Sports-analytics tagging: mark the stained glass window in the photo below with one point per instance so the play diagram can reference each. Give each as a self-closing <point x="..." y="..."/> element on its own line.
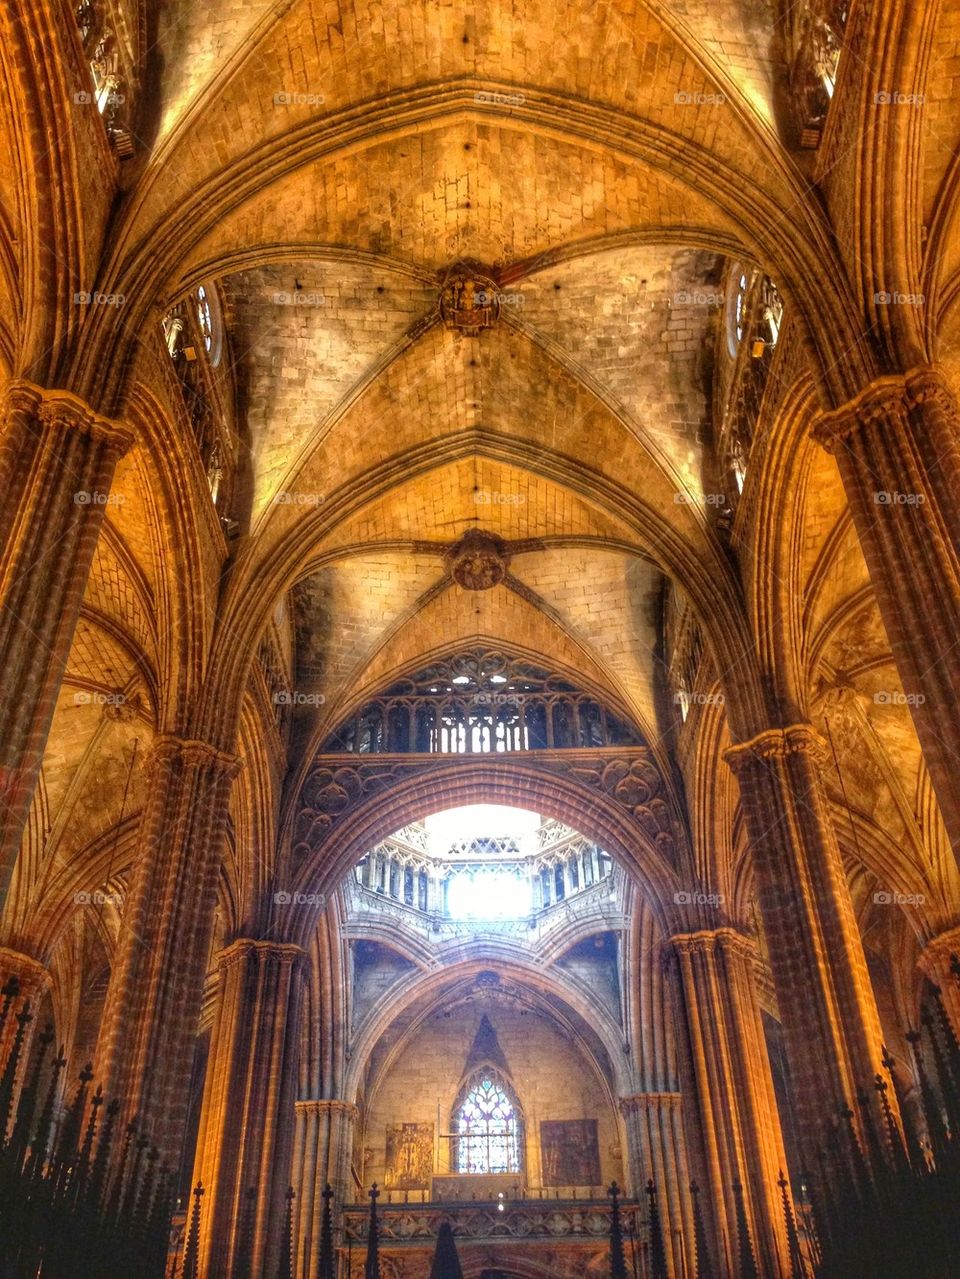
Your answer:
<point x="487" y="1128"/>
<point x="205" y="317"/>
<point x="741" y="305"/>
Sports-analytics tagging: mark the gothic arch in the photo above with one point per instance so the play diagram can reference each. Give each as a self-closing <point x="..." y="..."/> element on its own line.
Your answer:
<point x="465" y="780"/>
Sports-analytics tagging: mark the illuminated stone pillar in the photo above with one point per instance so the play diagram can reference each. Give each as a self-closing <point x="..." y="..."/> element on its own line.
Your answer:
<point x="323" y="1150"/>
<point x="247" y="1119"/>
<point x="937" y="963"/>
<point x="146" y="1044"/>
<point x="653" y="1122"/>
<point x="831" y="1027"/>
<point x="57" y="461"/>
<point x="729" y="1094"/>
<point x="898" y="449"/>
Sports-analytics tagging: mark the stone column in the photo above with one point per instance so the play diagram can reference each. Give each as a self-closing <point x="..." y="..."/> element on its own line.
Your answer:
<point x="323" y="1148"/>
<point x="145" y="1051"/>
<point x="898" y="449"/>
<point x="653" y="1122"/>
<point x="247" y="1118"/>
<point x="936" y="962"/>
<point x="57" y="460"/>
<point x="827" y="1007"/>
<point x="729" y="1094"/>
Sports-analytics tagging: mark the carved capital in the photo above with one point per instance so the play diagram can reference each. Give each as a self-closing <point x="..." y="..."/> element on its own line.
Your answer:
<point x="246" y="948"/>
<point x="656" y="1101"/>
<point x="64" y="411"/>
<point x="33" y="976"/>
<point x="169" y="750"/>
<point x="930" y="385"/>
<point x="882" y="400"/>
<point x="327" y="1108"/>
<point x="21" y="398"/>
<point x="934" y="957"/>
<point x="709" y="941"/>
<point x="777" y="743"/>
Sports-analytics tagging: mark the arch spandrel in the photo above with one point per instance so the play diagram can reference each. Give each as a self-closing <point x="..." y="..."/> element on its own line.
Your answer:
<point x="616" y="796"/>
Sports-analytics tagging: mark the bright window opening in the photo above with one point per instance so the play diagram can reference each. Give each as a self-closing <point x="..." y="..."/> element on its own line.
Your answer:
<point x="487" y="1128"/>
<point x="477" y="892"/>
<point x="452" y="830"/>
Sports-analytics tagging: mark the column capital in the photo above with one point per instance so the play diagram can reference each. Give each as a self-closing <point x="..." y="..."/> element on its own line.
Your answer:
<point x="169" y="748"/>
<point x="64" y="410"/>
<point x="936" y="950"/>
<point x="331" y="1106"/>
<point x="709" y="940"/>
<point x="887" y="395"/>
<point x="33" y="975"/>
<point x="237" y="952"/>
<point x="875" y="402"/>
<point x="650" y="1101"/>
<point x="930" y="382"/>
<point x="777" y="743"/>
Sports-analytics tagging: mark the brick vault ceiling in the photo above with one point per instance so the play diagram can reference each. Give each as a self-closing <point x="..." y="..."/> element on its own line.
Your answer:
<point x="330" y="271"/>
<point x="602" y="50"/>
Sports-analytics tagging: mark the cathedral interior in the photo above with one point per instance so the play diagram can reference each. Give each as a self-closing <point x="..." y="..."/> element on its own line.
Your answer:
<point x="480" y="639"/>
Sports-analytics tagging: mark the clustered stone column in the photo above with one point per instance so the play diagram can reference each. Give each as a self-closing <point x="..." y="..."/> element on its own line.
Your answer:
<point x="323" y="1148"/>
<point x="728" y="1090"/>
<point x="153" y="1001"/>
<point x="898" y="449"/>
<point x="57" y="461"/>
<point x="247" y="1125"/>
<point x="653" y="1122"/>
<point x="827" y="1007"/>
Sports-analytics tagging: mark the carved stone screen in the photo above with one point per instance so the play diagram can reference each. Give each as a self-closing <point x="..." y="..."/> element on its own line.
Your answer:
<point x="570" y="1152"/>
<point x="409" y="1163"/>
